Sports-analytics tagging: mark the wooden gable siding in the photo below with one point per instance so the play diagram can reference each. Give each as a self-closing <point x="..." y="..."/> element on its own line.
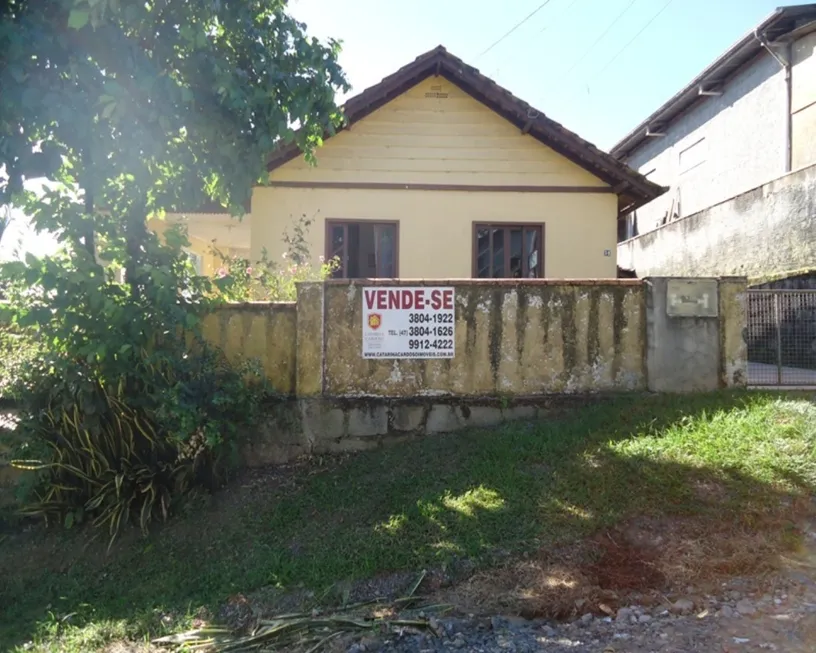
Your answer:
<point x="435" y="133"/>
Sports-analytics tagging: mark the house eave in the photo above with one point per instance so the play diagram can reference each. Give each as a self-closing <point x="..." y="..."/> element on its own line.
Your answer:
<point x="439" y="62"/>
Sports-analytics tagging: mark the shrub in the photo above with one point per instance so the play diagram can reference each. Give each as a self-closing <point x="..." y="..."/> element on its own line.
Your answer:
<point x="118" y="455"/>
<point x="125" y="409"/>
<point x="240" y="280"/>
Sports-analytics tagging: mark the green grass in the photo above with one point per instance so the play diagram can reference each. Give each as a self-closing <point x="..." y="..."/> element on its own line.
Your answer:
<point x="409" y="506"/>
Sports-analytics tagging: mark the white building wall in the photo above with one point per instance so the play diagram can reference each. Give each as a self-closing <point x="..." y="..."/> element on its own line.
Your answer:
<point x="803" y="101"/>
<point x="722" y="147"/>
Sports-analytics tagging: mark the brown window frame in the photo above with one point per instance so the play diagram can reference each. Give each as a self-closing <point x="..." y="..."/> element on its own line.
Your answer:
<point x="334" y="222"/>
<point x="507" y="226"/>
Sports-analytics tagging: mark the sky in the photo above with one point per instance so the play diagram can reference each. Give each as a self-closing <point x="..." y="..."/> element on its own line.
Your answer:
<point x="556" y="61"/>
<point x="597" y="66"/>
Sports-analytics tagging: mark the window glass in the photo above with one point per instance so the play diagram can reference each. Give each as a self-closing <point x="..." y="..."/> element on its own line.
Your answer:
<point x="498" y="253"/>
<point x="507" y="251"/>
<point x="364" y="249"/>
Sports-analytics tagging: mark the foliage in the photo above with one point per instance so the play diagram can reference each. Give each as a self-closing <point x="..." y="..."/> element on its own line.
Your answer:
<point x="5" y="221"/>
<point x="184" y="100"/>
<point x="128" y="109"/>
<point x="113" y="459"/>
<point x="17" y="352"/>
<point x="131" y="407"/>
<point x="240" y="280"/>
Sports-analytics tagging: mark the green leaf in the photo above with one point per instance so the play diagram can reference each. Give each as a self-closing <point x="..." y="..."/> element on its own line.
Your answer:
<point x="78" y="18"/>
<point x="108" y="110"/>
<point x="69" y="520"/>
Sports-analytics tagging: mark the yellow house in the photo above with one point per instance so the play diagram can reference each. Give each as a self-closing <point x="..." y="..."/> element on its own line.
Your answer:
<point x="441" y="173"/>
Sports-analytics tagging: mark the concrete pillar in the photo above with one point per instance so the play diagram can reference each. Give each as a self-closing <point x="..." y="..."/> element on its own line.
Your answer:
<point x="733" y="325"/>
<point x="682" y="334"/>
<point x="309" y="364"/>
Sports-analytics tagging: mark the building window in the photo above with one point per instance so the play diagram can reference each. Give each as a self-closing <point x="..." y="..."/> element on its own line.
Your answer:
<point x="692" y="156"/>
<point x="197" y="261"/>
<point x="508" y="251"/>
<point x="365" y="249"/>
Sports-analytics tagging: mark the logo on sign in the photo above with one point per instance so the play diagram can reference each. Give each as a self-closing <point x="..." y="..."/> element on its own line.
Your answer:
<point x="374" y="321"/>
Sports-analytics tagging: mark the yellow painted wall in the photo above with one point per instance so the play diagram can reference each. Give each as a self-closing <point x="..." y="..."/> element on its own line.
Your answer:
<point x="513" y="339"/>
<point x="435" y="228"/>
<point x="210" y="263"/>
<point x="419" y="139"/>
<point x="263" y="332"/>
<point x="431" y="140"/>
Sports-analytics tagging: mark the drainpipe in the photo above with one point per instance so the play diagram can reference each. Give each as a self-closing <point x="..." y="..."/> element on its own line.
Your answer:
<point x="785" y="62"/>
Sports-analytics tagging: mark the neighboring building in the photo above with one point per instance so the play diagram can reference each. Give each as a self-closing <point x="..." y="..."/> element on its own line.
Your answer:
<point x="441" y="173"/>
<point x="736" y="147"/>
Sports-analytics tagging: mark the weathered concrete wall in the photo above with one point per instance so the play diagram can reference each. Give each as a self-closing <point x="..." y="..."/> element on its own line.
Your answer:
<point x="767" y="230"/>
<point x="733" y="319"/>
<point x="511" y="338"/>
<point x="319" y="425"/>
<point x="696" y="353"/>
<point x="523" y="349"/>
<point x="264" y="331"/>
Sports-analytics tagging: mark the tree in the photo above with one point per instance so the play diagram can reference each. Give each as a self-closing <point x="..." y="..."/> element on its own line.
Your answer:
<point x="132" y="108"/>
<point x="157" y="105"/>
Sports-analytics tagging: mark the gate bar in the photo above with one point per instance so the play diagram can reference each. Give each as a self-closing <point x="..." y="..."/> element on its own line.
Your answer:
<point x="778" y="340"/>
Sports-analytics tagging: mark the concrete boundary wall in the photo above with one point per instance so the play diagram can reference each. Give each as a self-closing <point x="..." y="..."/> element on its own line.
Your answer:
<point x="759" y="233"/>
<point x="512" y="338"/>
<point x="524" y="348"/>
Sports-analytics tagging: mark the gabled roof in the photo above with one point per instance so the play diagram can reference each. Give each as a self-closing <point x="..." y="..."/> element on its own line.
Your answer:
<point x="779" y="24"/>
<point x="632" y="188"/>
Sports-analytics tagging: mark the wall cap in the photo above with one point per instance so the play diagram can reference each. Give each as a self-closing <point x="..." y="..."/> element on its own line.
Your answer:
<point x="489" y="283"/>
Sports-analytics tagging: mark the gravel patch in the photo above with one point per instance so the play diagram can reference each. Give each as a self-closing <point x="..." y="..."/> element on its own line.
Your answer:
<point x="780" y="616"/>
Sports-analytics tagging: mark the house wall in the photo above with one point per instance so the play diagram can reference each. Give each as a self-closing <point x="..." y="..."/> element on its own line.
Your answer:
<point x="803" y="101"/>
<point x="768" y="230"/>
<point x="437" y="134"/>
<point x="436" y="228"/>
<point x="729" y="143"/>
<point x="209" y="261"/>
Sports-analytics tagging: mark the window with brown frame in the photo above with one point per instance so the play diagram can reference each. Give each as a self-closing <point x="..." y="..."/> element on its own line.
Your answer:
<point x="366" y="249"/>
<point x="508" y="251"/>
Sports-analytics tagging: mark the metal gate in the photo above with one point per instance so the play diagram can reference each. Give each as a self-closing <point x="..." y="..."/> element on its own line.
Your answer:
<point x="781" y="338"/>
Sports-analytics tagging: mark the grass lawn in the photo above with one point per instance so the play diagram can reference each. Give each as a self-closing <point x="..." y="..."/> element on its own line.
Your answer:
<point x="517" y="488"/>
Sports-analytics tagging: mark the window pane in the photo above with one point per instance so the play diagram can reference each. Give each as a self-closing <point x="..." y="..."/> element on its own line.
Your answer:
<point x="498" y="254"/>
<point x="364" y="249"/>
<point x="338" y="249"/>
<point x="483" y="253"/>
<point x="385" y="244"/>
<point x="516" y="253"/>
<point x="532" y="250"/>
<point x="353" y="251"/>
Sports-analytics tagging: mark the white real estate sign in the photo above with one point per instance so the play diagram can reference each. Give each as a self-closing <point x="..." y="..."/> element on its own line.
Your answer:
<point x="408" y="322"/>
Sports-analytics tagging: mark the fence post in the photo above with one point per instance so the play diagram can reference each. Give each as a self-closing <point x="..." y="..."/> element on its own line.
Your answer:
<point x="778" y="320"/>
